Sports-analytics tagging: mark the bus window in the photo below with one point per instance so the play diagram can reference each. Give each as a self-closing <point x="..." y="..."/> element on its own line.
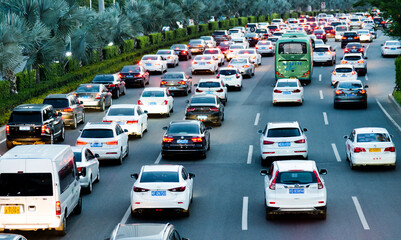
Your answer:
<point x="292" y="48"/>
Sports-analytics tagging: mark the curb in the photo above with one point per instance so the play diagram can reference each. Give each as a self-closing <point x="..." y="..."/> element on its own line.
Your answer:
<point x="395" y="103"/>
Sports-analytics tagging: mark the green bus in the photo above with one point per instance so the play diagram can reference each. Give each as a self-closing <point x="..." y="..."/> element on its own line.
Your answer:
<point x="293" y="58"/>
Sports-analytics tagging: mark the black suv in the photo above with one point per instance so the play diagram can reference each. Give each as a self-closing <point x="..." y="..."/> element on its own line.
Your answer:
<point x="349" y="36"/>
<point x="379" y="21"/>
<point x="113" y="84"/>
<point x="34" y="124"/>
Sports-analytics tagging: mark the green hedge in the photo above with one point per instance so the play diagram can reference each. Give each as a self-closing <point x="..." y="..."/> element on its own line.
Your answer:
<point x="242" y="21"/>
<point x="94" y="58"/>
<point x="142" y="42"/>
<point x="128" y="46"/>
<point x="203" y="28"/>
<point x="25" y="79"/>
<point x="398" y="72"/>
<point x="213" y="25"/>
<point x="168" y="35"/>
<point x="261" y="18"/>
<point x="191" y="30"/>
<point x="110" y="52"/>
<point x="252" y="19"/>
<point x="5" y="89"/>
<point x="294" y="15"/>
<point x="276" y="15"/>
<point x="286" y="16"/>
<point x="180" y="33"/>
<point x="155" y="38"/>
<point x="224" y="24"/>
<point x="73" y="64"/>
<point x="233" y="22"/>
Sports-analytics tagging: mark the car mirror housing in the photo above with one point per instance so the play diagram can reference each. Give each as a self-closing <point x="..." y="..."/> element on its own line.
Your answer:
<point x="97" y="155"/>
<point x="323" y="171"/>
<point x="263" y="172"/>
<point x="135" y="175"/>
<point x="260" y="131"/>
<point x="164" y="128"/>
<point x="345" y="137"/>
<point x="305" y="129"/>
<point x="191" y="175"/>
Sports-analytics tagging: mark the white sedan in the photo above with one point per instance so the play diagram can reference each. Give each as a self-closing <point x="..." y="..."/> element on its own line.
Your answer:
<point x="233" y="50"/>
<point x="156" y="100"/>
<point x="204" y="63"/>
<point x="169" y="56"/>
<point x="216" y="53"/>
<point x="391" y="48"/>
<point x="288" y="90"/>
<point x="210" y="42"/>
<point x="108" y="140"/>
<point x="154" y="63"/>
<point x="213" y="86"/>
<point x="231" y="77"/>
<point x="365" y="36"/>
<point x="162" y="188"/>
<point x="343" y="72"/>
<point x="370" y="146"/>
<point x="253" y="56"/>
<point x="324" y="54"/>
<point x="87" y="166"/>
<point x="241" y="40"/>
<point x="131" y="117"/>
<point x="265" y="47"/>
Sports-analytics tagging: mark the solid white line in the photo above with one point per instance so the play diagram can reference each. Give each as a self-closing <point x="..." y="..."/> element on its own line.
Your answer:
<point x="333" y="145"/>
<point x="2" y="141"/>
<point x="388" y="116"/>
<point x="126" y="215"/>
<point x="320" y="77"/>
<point x="158" y="158"/>
<point x="245" y="213"/>
<point x="326" y="121"/>
<point x="360" y="213"/>
<point x="366" y="77"/>
<point x="250" y="151"/>
<point x="321" y="94"/>
<point x="257" y="119"/>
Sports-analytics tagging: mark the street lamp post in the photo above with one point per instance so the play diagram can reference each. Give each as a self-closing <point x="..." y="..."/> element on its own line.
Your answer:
<point x="101" y="5"/>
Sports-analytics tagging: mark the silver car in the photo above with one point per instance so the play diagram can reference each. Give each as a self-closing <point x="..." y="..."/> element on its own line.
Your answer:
<point x="358" y="61"/>
<point x="265" y="48"/>
<point x="245" y="67"/>
<point x="139" y="231"/>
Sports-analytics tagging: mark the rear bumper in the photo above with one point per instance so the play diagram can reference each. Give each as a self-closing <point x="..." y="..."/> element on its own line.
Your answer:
<point x="314" y="210"/>
<point x="56" y="223"/>
<point x="213" y="118"/>
<point x="361" y="160"/>
<point x="29" y="140"/>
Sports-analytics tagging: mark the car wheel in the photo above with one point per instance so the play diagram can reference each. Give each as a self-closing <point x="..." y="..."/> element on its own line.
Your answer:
<point x="351" y="165"/>
<point x="222" y="118"/>
<point x="142" y="84"/>
<point x="186" y="213"/>
<point x="134" y="214"/>
<point x="62" y="135"/>
<point x="62" y="230"/>
<point x="111" y="102"/>
<point x="253" y="72"/>
<point x="335" y="105"/>
<point x="208" y="145"/>
<point x="9" y="144"/>
<point x="103" y="106"/>
<point x="117" y="94"/>
<point x="323" y="215"/>
<point x="172" y="109"/>
<point x="51" y="141"/>
<point x="346" y="156"/>
<point x="98" y="176"/>
<point x="120" y="159"/>
<point x="127" y="151"/>
<point x="75" y="123"/>
<point x="83" y="117"/>
<point x="78" y="208"/>
<point x="90" y="186"/>
<point x="203" y="155"/>
<point x="264" y="161"/>
<point x="140" y="135"/>
<point x="269" y="215"/>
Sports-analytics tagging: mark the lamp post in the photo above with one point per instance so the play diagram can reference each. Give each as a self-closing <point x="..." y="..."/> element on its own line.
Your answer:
<point x="101" y="5"/>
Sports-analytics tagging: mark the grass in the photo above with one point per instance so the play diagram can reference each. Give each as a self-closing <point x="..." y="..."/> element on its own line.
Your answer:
<point x="397" y="96"/>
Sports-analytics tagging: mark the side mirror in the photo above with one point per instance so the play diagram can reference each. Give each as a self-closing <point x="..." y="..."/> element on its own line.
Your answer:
<point x="226" y="85"/>
<point x="191" y="175"/>
<point x="208" y="128"/>
<point x="366" y="57"/>
<point x="171" y="94"/>
<point x="125" y="130"/>
<point x="59" y="114"/>
<point x="381" y="44"/>
<point x="135" y="175"/>
<point x="345" y="137"/>
<point x="323" y="172"/>
<point x="80" y="102"/>
<point x="260" y="131"/>
<point x="190" y="77"/>
<point x="263" y="172"/>
<point x="97" y="155"/>
<point x="195" y="85"/>
<point x="164" y="128"/>
<point x="305" y="129"/>
<point x="187" y="101"/>
<point x="145" y="111"/>
<point x="366" y="86"/>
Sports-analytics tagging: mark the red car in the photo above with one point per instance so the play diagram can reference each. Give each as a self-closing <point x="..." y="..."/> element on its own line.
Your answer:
<point x="224" y="46"/>
<point x="330" y="32"/>
<point x="320" y="34"/>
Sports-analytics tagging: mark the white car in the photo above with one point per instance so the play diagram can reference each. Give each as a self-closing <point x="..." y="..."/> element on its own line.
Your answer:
<point x="204" y="63"/>
<point x="154" y="63"/>
<point x="244" y="65"/>
<point x="355" y="22"/>
<point x="391" y="48"/>
<point x="288" y="90"/>
<point x="156" y="100"/>
<point x="233" y="50"/>
<point x="357" y="60"/>
<point x="343" y="72"/>
<point x="216" y="53"/>
<point x="235" y="33"/>
<point x="241" y="41"/>
<point x="283" y="139"/>
<point x="370" y="146"/>
<point x="263" y="24"/>
<point x="169" y="56"/>
<point x="294" y="186"/>
<point x="87" y="166"/>
<point x="340" y="30"/>
<point x="162" y="187"/>
<point x="277" y="21"/>
<point x="231" y="77"/>
<point x="365" y="36"/>
<point x="108" y="140"/>
<point x="209" y="40"/>
<point x="131" y="117"/>
<point x="324" y="54"/>
<point x="242" y="29"/>
<point x="213" y="86"/>
<point x="251" y="54"/>
<point x="265" y="47"/>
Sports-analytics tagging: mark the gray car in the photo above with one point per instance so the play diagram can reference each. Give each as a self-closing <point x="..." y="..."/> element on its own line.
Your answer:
<point x="94" y="96"/>
<point x="140" y="231"/>
<point x="177" y="82"/>
<point x="245" y="67"/>
<point x="350" y="92"/>
<point x="10" y="236"/>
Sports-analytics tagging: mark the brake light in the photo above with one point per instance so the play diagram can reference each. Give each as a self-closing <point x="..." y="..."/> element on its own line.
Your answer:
<point x="80" y="143"/>
<point x="343" y="61"/>
<point x="255" y="38"/>
<point x="209" y="62"/>
<point x="184" y="52"/>
<point x="82" y="170"/>
<point x="7" y="129"/>
<point x="214" y="109"/>
<point x="361" y="50"/>
<point x="245" y="66"/>
<point x="132" y="122"/>
<point x="339" y="92"/>
<point x="138" y="189"/>
<point x="265" y="142"/>
<point x="389" y="149"/>
<point x="140" y="102"/>
<point x="306" y="74"/>
<point x="344" y="37"/>
<point x="168" y="139"/>
<point x="319" y="183"/>
<point x="43" y="129"/>
<point x="197" y="139"/>
<point x="218" y="75"/>
<point x="270" y="47"/>
<point x="190" y="109"/>
<point x="356" y="37"/>
<point x="108" y="121"/>
<point x="334" y="73"/>
<point x="238" y="75"/>
<point x="382" y="22"/>
<point x="163" y="82"/>
<point x="111" y="85"/>
<point x="300" y="141"/>
<point x="165" y="102"/>
<point x="112" y="143"/>
<point x="361" y="61"/>
<point x="277" y="91"/>
<point x="58" y="208"/>
<point x="197" y="90"/>
<point x="177" y="189"/>
<point x="346" y="50"/>
<point x="194" y="62"/>
<point x="220" y="90"/>
<point x="254" y="57"/>
<point x="272" y="185"/>
<point x="363" y="91"/>
<point x="181" y="82"/>
<point x="359" y="149"/>
<point x="121" y="76"/>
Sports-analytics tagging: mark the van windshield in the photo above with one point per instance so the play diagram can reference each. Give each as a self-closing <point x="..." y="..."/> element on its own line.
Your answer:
<point x="26" y="184"/>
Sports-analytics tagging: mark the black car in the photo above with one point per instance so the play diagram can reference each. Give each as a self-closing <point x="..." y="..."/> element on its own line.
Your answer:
<point x="349" y="36"/>
<point x="355" y="47"/>
<point x="205" y="108"/>
<point x="350" y="92"/>
<point x="379" y="21"/>
<point x="177" y="82"/>
<point x="221" y="36"/>
<point x="263" y="33"/>
<point x="183" y="137"/>
<point x="134" y="75"/>
<point x="72" y="110"/>
<point x="112" y="82"/>
<point x="252" y="38"/>
<point x="34" y="124"/>
<point x="273" y="28"/>
<point x="182" y="51"/>
<point x="224" y="46"/>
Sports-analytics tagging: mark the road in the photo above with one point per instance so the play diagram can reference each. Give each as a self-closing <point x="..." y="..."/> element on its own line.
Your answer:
<point x="228" y="192"/>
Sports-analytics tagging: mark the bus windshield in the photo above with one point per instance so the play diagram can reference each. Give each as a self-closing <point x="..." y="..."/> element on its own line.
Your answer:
<point x="292" y="48"/>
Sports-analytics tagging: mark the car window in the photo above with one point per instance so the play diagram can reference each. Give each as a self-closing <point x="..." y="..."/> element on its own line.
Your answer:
<point x="26" y="184"/>
<point x="238" y="61"/>
<point x="349" y="85"/>
<point x="103" y="78"/>
<point x="203" y="58"/>
<point x="286" y="84"/>
<point x="89" y="155"/>
<point x="97" y="133"/>
<point x="159" y="176"/>
<point x="292" y="48"/>
<point x="321" y="50"/>
<point x="343" y="70"/>
<point x="131" y="69"/>
<point x="173" y="76"/>
<point x="211" y="52"/>
<point x="372" y="137"/>
<point x="228" y="72"/>
<point x="121" y="112"/>
<point x="57" y="103"/>
<point x="164" y="52"/>
<point x="296" y="177"/>
<point x="209" y="84"/>
<point x="150" y="58"/>
<point x="184" y="174"/>
<point x="26" y="117"/>
<point x="153" y="94"/>
<point x="197" y="100"/>
<point x="119" y="130"/>
<point x="352" y="58"/>
<point x="88" y="88"/>
<point x="283" y="132"/>
<point x="183" y="129"/>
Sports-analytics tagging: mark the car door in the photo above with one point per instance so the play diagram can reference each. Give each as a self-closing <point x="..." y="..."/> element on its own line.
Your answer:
<point x="78" y="108"/>
<point x="170" y="99"/>
<point x="224" y="88"/>
<point x="142" y="118"/>
<point x="188" y="180"/>
<point x="56" y="121"/>
<point x="93" y="164"/>
<point x="349" y="143"/>
<point x="122" y="137"/>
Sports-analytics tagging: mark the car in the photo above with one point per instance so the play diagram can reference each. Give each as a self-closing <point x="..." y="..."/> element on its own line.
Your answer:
<point x="319" y="42"/>
<point x="273" y="28"/>
<point x="107" y="139"/>
<point x="364" y="35"/>
<point x="221" y="36"/>
<point x="241" y="41"/>
<point x="131" y="118"/>
<point x="206" y="108"/>
<point x="355" y="22"/>
<point x="355" y="48"/>
<point x="233" y="50"/>
<point x="391" y="48"/>
<point x="277" y="21"/>
<point x="252" y="39"/>
<point x="169" y="56"/>
<point x="294" y="186"/>
<point x="235" y="33"/>
<point x="343" y="72"/>
<point x="244" y="65"/>
<point x="292" y="21"/>
<point x="288" y="90"/>
<point x="224" y="46"/>
<point x="157" y="100"/>
<point x="113" y="84"/>
<point x="216" y="54"/>
<point x="177" y="82"/>
<point x="10" y="236"/>
<point x="34" y="124"/>
<point x="197" y="46"/>
<point x="349" y="36"/>
<point x="134" y="75"/>
<point x="324" y="54"/>
<point x="335" y="24"/>
<point x="210" y="42"/>
<point x="204" y="63"/>
<point x="368" y="23"/>
<point x="94" y="96"/>
<point x="162" y="188"/>
<point x="231" y="77"/>
<point x="154" y="63"/>
<point x="320" y="34"/>
<point x="254" y="57"/>
<point x="72" y="110"/>
<point x="138" y="231"/>
<point x="357" y="60"/>
<point x="213" y="86"/>
<point x="264" y="33"/>
<point x="87" y="166"/>
<point x="182" y="50"/>
<point x="251" y="27"/>
<point x="370" y="146"/>
<point x="280" y="140"/>
<point x="265" y="47"/>
<point x="372" y="32"/>
<point x="330" y="31"/>
<point x="379" y="22"/>
<point x="340" y="30"/>
<point x="350" y="92"/>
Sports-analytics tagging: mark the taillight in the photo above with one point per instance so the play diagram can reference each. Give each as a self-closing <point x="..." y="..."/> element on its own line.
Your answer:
<point x="82" y="171"/>
<point x="353" y="72"/>
<point x="44" y="129"/>
<point x="190" y="109"/>
<point x="270" y="47"/>
<point x="112" y="143"/>
<point x="361" y="61"/>
<point x="359" y="149"/>
<point x="389" y="149"/>
<point x="265" y="142"/>
<point x="108" y="121"/>
<point x="197" y="139"/>
<point x="346" y="50"/>
<point x="319" y="183"/>
<point x="111" y="85"/>
<point x="120" y="75"/>
<point x="177" y="189"/>
<point x="168" y="139"/>
<point x="181" y="82"/>
<point x="220" y="90"/>
<point x="165" y="102"/>
<point x="344" y="37"/>
<point x="339" y="92"/>
<point x="81" y="143"/>
<point x="7" y="130"/>
<point x="300" y="141"/>
<point x="163" y="82"/>
<point x="194" y="62"/>
<point x="140" y="102"/>
<point x="132" y="122"/>
<point x="363" y="91"/>
<point x="254" y="57"/>
<point x="58" y="208"/>
<point x="97" y="96"/>
<point x="334" y="73"/>
<point x="138" y="189"/>
<point x="296" y="91"/>
<point x="277" y="91"/>
<point x="214" y="109"/>
<point x="238" y="75"/>
<point x="218" y="75"/>
<point x="197" y="90"/>
<point x="361" y="49"/>
<point x="356" y="37"/>
<point x="343" y="61"/>
<point x="183" y="52"/>
<point x="209" y="62"/>
<point x="272" y="185"/>
<point x="245" y="66"/>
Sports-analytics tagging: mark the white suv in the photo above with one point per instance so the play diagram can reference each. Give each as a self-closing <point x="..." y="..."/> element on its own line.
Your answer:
<point x="213" y="86"/>
<point x="231" y="77"/>
<point x="294" y="186"/>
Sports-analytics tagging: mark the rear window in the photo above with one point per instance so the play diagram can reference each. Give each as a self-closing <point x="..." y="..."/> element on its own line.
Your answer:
<point x="131" y="69"/>
<point x="319" y="31"/>
<point x="363" y="32"/>
<point x="233" y="31"/>
<point x="236" y="61"/>
<point x="203" y="58"/>
<point x="350" y="34"/>
<point x="354" y="45"/>
<point x="283" y="132"/>
<point x="219" y="33"/>
<point x="349" y="85"/>
<point x="173" y="76"/>
<point x="149" y="58"/>
<point x="328" y="28"/>
<point x="121" y="112"/>
<point x="246" y="52"/>
<point x="354" y="19"/>
<point x="26" y="184"/>
<point x="392" y="43"/>
<point x="228" y="72"/>
<point x="352" y="58"/>
<point x="236" y="47"/>
<point x="208" y="100"/>
<point x="159" y="177"/>
<point x="88" y="88"/>
<point x="209" y="84"/>
<point x="340" y="28"/>
<point x="211" y="52"/>
<point x="287" y="84"/>
<point x="25" y="117"/>
<point x="153" y="94"/>
<point x="178" y="46"/>
<point x="343" y="70"/>
<point x="103" y="78"/>
<point x="372" y="137"/>
<point x="296" y="177"/>
<point x="292" y="48"/>
<point x="264" y="43"/>
<point x="183" y="129"/>
<point x="277" y="34"/>
<point x="57" y="103"/>
<point x="321" y="50"/>
<point x="163" y="52"/>
<point x="272" y="27"/>
<point x="97" y="133"/>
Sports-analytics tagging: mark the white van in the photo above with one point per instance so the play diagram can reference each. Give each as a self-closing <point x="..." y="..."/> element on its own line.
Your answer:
<point x="340" y="29"/>
<point x="39" y="188"/>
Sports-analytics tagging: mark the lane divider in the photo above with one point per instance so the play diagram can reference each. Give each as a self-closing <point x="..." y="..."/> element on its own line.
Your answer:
<point x="2" y="141"/>
<point x="326" y="121"/>
<point x="333" y="145"/>
<point x="360" y="213"/>
<point x="250" y="151"/>
<point x="320" y="77"/>
<point x="321" y="94"/>
<point x="158" y="158"/>
<point x="257" y="119"/>
<point x="126" y="215"/>
<point x="245" y="213"/>
<point x="366" y="77"/>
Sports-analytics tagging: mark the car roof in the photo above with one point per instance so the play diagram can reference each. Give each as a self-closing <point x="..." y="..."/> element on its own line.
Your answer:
<point x="160" y="167"/>
<point x="57" y="96"/>
<point x="123" y="106"/>
<point x="344" y="66"/>
<point x="287" y="80"/>
<point x="227" y="68"/>
<point x="154" y="89"/>
<point x="303" y="165"/>
<point x="31" y="107"/>
<point x="106" y="125"/>
<point x="209" y="80"/>
<point x="353" y="54"/>
<point x="142" y="230"/>
<point x="370" y="130"/>
<point x="271" y="125"/>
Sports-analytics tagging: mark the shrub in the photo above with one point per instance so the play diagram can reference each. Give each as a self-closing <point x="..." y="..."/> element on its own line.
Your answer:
<point x="398" y="72"/>
<point x="203" y="28"/>
<point x="233" y="22"/>
<point x="128" y="46"/>
<point x="168" y="35"/>
<point x="294" y="15"/>
<point x="261" y="18"/>
<point x="142" y="42"/>
<point x="213" y="25"/>
<point x="25" y="79"/>
<point x="275" y="15"/>
<point x="286" y="16"/>
<point x="94" y="58"/>
<point x="73" y="64"/>
<point x="224" y="24"/>
<point x="155" y="38"/>
<point x="110" y="52"/>
<point x="242" y="21"/>
<point x="191" y="30"/>
<point x="251" y="19"/>
<point x="180" y="33"/>
<point x="5" y="88"/>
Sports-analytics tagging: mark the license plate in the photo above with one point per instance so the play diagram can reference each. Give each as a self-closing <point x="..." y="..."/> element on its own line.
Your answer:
<point x="158" y="193"/>
<point x="209" y="92"/>
<point x="350" y="38"/>
<point x="262" y="48"/>
<point x="286" y="92"/>
<point x="182" y="141"/>
<point x="121" y="123"/>
<point x="202" y="63"/>
<point x="130" y="76"/>
<point x="392" y="48"/>
<point x="12" y="210"/>
<point x="172" y="88"/>
<point x="86" y="97"/>
<point x="350" y="95"/>
<point x="374" y="150"/>
<point x="284" y="144"/>
<point x="297" y="191"/>
<point x="320" y="54"/>
<point x="24" y="128"/>
<point x="152" y="103"/>
<point x="148" y="64"/>
<point x="96" y="144"/>
<point x="343" y="75"/>
<point x="201" y="117"/>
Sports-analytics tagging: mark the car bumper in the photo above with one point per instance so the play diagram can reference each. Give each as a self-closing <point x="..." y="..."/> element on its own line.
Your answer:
<point x="322" y="59"/>
<point x="391" y="52"/>
<point x="285" y="153"/>
<point x="293" y="97"/>
<point x="106" y="153"/>
<point x="385" y="159"/>
<point x="34" y="225"/>
<point x="133" y="81"/>
<point x="92" y="103"/>
<point x="204" y="117"/>
<point x="233" y="82"/>
<point x="157" y="109"/>
<point x="29" y="140"/>
<point x="153" y="68"/>
<point x="132" y="129"/>
<point x="204" y="68"/>
<point x="265" y="51"/>
<point x="350" y="100"/>
<point x="179" y="201"/>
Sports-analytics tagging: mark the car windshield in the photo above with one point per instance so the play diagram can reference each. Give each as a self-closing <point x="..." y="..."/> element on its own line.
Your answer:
<point x="349" y="85"/>
<point x="131" y="69"/>
<point x="341" y="28"/>
<point x="209" y="51"/>
<point x="88" y="88"/>
<point x="173" y="76"/>
<point x="149" y="58"/>
<point x="121" y="112"/>
<point x="219" y="33"/>
<point x="321" y="49"/>
<point x="238" y="61"/>
<point x="236" y="47"/>
<point x="228" y="72"/>
<point x="153" y="94"/>
<point x="97" y="133"/>
<point x="183" y="129"/>
<point x="286" y="84"/>
<point x="246" y="52"/>
<point x="372" y="137"/>
<point x="296" y="177"/>
<point x="283" y="132"/>
<point x="392" y="43"/>
<point x="264" y="43"/>
<point x="26" y="184"/>
<point x="159" y="176"/>
<point x="164" y="52"/>
<point x="78" y="156"/>
<point x="57" y="102"/>
<point x="209" y="84"/>
<point x="26" y="117"/>
<point x="354" y="19"/>
<point x="354" y="45"/>
<point x="292" y="48"/>
<point x="233" y="31"/>
<point x="319" y="31"/>
<point x="208" y="100"/>
<point x="277" y="34"/>
<point x="352" y="58"/>
<point x="363" y="32"/>
<point x="206" y="38"/>
<point x="343" y="70"/>
<point x="103" y="79"/>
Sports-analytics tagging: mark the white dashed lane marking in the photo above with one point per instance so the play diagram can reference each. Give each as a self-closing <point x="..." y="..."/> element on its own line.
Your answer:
<point x="250" y="151"/>
<point x="326" y="121"/>
<point x="321" y="94"/>
<point x="360" y="213"/>
<point x="256" y="119"/>
<point x="245" y="213"/>
<point x="333" y="145"/>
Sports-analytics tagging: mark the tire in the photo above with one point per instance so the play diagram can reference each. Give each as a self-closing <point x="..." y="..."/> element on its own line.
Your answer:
<point x="323" y="215"/>
<point x="120" y="159"/>
<point x="9" y="144"/>
<point x="351" y="165"/>
<point x="51" y="141"/>
<point x="78" y="208"/>
<point x="98" y="177"/>
<point x="172" y="109"/>
<point x="125" y="91"/>
<point x="127" y="151"/>
<point x="186" y="213"/>
<point x="335" y="105"/>
<point x="142" y="85"/>
<point x="253" y="73"/>
<point x="264" y="162"/>
<point x="269" y="215"/>
<point x="103" y="106"/>
<point x="203" y="155"/>
<point x="140" y="135"/>
<point x="134" y="214"/>
<point x="83" y="118"/>
<point x="62" y="135"/>
<point x="90" y="186"/>
<point x="208" y="145"/>
<point x="222" y="118"/>
<point x="75" y="123"/>
<point x="117" y="94"/>
<point x="62" y="230"/>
